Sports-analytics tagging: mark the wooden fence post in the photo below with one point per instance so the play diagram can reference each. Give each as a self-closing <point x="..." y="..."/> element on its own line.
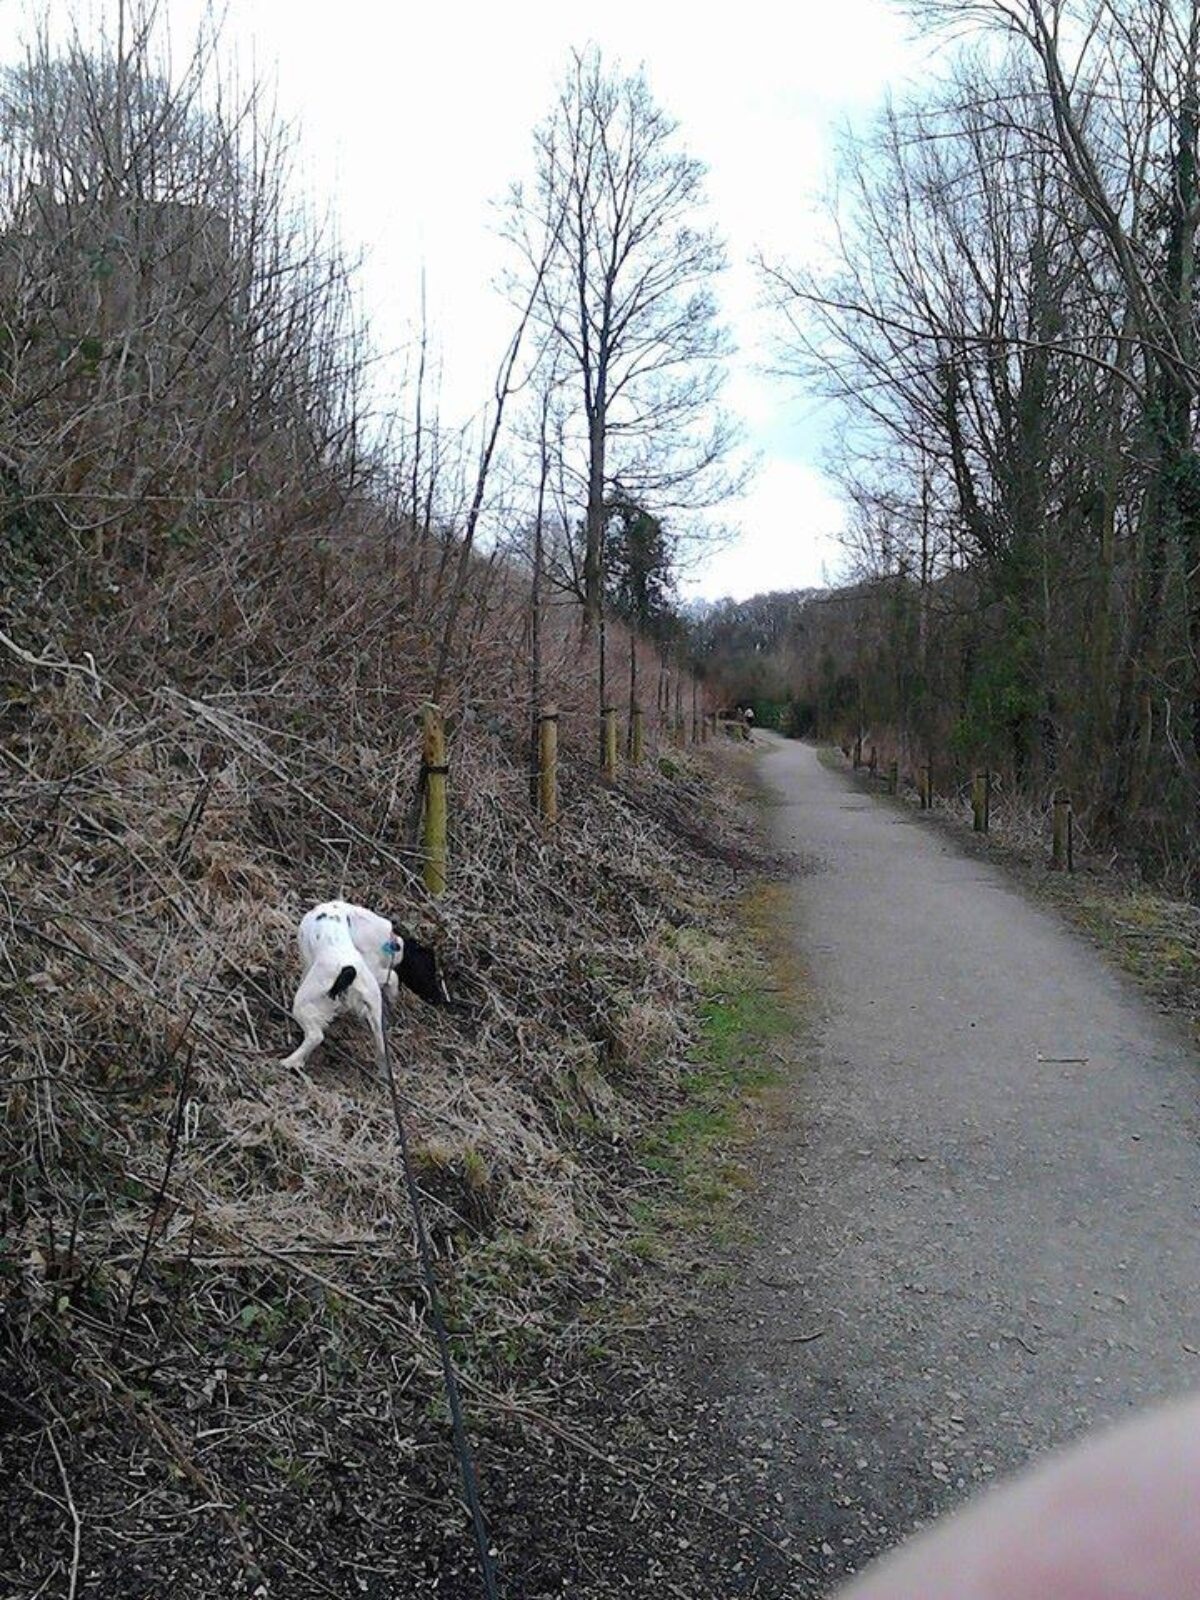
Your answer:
<point x="1070" y="837"/>
<point x="981" y="801"/>
<point x="1063" y="851"/>
<point x="609" y="715"/>
<point x="548" y="764"/>
<point x="434" y="754"/>
<point x="893" y="778"/>
<point x="637" y="736"/>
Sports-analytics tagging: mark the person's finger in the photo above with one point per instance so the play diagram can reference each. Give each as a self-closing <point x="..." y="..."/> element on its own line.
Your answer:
<point x="1114" y="1518"/>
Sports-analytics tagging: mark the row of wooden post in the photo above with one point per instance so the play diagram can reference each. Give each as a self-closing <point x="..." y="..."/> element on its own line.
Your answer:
<point x="434" y="758"/>
<point x="1063" y="846"/>
<point x="434" y="828"/>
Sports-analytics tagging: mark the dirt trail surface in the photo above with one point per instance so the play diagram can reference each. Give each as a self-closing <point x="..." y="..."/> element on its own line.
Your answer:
<point x="983" y="1196"/>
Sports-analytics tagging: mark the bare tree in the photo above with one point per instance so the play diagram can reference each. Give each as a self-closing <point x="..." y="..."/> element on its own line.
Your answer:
<point x="627" y="298"/>
<point x="1009" y="329"/>
<point x="1121" y="83"/>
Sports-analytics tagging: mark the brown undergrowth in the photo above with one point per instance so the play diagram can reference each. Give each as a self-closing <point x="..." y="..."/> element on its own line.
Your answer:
<point x="217" y="1372"/>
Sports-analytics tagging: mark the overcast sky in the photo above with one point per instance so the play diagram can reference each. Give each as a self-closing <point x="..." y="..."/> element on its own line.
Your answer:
<point x="415" y="119"/>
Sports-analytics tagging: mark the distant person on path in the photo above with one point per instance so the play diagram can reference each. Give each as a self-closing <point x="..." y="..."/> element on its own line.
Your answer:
<point x="748" y="721"/>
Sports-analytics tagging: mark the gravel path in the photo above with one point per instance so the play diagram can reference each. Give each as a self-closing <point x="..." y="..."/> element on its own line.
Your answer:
<point x="983" y="1196"/>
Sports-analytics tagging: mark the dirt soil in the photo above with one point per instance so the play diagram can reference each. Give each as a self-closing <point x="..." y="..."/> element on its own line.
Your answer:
<point x="976" y="1212"/>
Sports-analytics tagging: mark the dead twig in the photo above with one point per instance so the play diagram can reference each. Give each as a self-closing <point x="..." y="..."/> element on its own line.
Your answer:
<point x="76" y="1521"/>
<point x="173" y="1138"/>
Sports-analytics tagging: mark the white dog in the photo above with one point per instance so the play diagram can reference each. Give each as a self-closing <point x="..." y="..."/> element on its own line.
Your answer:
<point x="352" y="958"/>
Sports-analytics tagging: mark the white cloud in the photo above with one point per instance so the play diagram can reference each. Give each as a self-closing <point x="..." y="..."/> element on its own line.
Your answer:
<point x="791" y="521"/>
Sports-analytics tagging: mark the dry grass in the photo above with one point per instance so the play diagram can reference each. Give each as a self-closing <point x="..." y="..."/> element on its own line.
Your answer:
<point x="206" y="1262"/>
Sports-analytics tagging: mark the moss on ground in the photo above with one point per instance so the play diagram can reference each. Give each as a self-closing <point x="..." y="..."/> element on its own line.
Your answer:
<point x="747" y="1015"/>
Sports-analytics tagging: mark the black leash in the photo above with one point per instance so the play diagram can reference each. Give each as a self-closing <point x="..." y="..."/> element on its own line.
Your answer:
<point x="462" y="1448"/>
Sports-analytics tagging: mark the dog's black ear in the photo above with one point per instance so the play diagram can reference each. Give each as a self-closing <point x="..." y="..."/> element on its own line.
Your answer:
<point x="418" y="971"/>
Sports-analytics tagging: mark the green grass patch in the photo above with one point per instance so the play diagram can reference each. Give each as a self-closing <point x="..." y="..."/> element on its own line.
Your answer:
<point x="699" y="1148"/>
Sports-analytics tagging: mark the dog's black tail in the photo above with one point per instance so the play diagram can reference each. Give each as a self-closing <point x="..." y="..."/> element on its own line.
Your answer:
<point x="343" y="981"/>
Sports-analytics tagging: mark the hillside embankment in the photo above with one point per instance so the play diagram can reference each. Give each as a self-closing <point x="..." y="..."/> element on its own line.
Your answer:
<point x="217" y="1368"/>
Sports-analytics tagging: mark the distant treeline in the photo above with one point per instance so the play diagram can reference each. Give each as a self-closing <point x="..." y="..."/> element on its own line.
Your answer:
<point x="928" y="674"/>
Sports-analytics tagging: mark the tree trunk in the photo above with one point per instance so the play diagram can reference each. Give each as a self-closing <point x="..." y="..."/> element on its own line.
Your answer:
<point x="593" y="555"/>
<point x="633" y="680"/>
<point x="535" y="611"/>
